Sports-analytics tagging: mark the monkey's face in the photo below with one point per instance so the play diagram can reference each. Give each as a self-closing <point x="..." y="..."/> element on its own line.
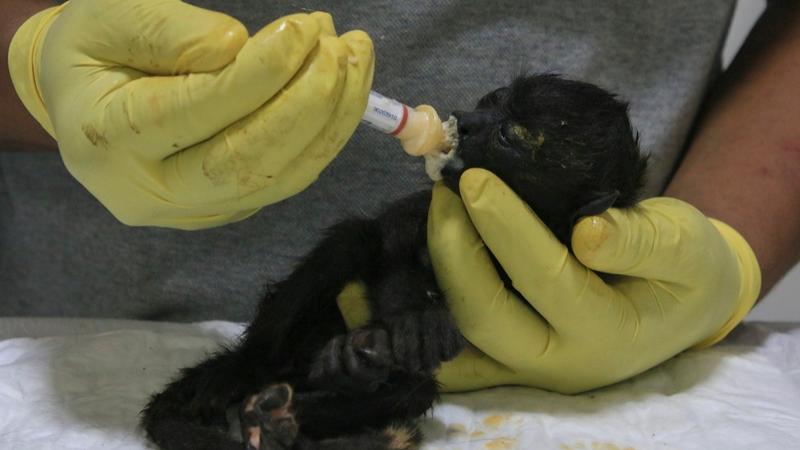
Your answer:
<point x="566" y="148"/>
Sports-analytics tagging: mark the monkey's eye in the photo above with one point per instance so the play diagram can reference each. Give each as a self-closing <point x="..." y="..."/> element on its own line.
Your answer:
<point x="503" y="137"/>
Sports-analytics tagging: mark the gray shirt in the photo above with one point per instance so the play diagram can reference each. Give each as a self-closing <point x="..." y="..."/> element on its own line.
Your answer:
<point x="62" y="254"/>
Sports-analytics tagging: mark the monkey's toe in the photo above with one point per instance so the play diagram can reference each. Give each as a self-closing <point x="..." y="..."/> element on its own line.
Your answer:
<point x="268" y="422"/>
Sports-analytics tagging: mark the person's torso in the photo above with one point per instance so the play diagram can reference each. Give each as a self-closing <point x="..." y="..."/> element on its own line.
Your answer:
<point x="61" y="253"/>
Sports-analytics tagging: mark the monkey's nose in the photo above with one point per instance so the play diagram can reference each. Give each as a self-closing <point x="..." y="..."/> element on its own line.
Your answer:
<point x="473" y="122"/>
<point x="464" y="125"/>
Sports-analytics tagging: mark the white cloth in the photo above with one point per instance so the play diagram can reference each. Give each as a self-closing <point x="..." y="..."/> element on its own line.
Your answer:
<point x="80" y="384"/>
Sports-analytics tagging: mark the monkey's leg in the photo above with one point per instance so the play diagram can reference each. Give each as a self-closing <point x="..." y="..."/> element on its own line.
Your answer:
<point x="189" y="414"/>
<point x="269" y="422"/>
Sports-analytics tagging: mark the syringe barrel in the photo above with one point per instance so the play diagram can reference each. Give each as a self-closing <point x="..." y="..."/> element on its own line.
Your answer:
<point x="385" y="114"/>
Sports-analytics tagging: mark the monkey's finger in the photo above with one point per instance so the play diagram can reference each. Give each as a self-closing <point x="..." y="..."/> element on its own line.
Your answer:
<point x="488" y="315"/>
<point x="406" y="345"/>
<point x="448" y="339"/>
<point x="561" y="289"/>
<point x="431" y="340"/>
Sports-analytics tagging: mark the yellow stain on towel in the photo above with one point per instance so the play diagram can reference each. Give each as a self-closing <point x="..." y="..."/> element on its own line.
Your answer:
<point x="495" y="420"/>
<point x="594" y="446"/>
<point x="500" y="444"/>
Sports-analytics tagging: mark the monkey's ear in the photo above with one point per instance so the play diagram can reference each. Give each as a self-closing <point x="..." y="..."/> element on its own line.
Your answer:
<point x="597" y="203"/>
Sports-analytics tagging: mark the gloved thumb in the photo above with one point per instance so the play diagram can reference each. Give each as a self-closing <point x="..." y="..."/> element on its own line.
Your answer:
<point x="160" y="37"/>
<point x="655" y="240"/>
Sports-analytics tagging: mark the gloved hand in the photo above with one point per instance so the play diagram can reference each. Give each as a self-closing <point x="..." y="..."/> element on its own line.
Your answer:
<point x="680" y="280"/>
<point x="172" y="116"/>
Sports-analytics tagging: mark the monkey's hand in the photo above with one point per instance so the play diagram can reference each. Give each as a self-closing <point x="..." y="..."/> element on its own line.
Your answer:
<point x="422" y="340"/>
<point x="361" y="360"/>
<point x="171" y="115"/>
<point x="672" y="279"/>
<point x="358" y="361"/>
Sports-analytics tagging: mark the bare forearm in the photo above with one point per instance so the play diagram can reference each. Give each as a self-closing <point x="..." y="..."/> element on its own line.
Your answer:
<point x="18" y="129"/>
<point x="743" y="166"/>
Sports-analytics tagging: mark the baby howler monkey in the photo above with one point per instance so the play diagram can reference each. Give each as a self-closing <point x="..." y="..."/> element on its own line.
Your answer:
<point x="299" y="379"/>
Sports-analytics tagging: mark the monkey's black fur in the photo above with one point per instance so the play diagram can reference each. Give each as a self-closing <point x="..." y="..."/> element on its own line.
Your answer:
<point x="565" y="147"/>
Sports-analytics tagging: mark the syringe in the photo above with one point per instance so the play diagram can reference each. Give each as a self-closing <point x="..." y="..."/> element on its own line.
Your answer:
<point x="419" y="129"/>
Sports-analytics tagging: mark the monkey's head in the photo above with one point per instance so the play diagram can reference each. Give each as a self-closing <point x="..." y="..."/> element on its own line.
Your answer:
<point x="565" y="147"/>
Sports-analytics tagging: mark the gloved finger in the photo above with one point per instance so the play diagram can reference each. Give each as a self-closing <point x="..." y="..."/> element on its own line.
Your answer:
<point x="658" y="240"/>
<point x="251" y="154"/>
<point x="303" y="169"/>
<point x="21" y="60"/>
<point x="562" y="290"/>
<point x="325" y="22"/>
<point x="183" y="183"/>
<point x="352" y="303"/>
<point x="473" y="370"/>
<point x="166" y="217"/>
<point x="488" y="315"/>
<point x="159" y="116"/>
<point x="350" y="107"/>
<point x="161" y="37"/>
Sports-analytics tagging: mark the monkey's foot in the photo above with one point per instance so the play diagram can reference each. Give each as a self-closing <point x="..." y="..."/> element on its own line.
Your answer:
<point x="267" y="419"/>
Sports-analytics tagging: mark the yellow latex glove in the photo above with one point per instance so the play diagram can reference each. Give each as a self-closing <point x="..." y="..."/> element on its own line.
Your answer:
<point x="172" y="116"/>
<point x="681" y="280"/>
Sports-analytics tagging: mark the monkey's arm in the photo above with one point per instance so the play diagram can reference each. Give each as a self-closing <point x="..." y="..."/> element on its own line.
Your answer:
<point x="743" y="166"/>
<point x="410" y="328"/>
<point x="295" y="317"/>
<point x="406" y="299"/>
